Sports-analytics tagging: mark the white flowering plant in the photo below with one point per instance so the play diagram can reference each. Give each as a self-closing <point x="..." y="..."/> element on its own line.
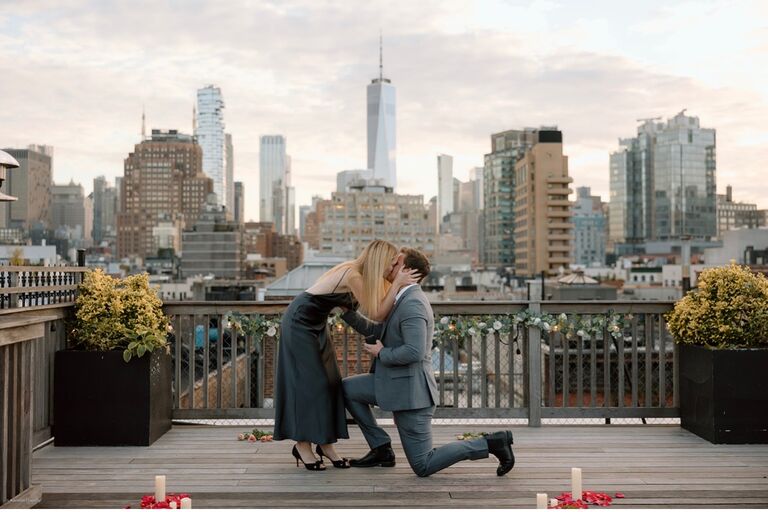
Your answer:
<point x="256" y="325"/>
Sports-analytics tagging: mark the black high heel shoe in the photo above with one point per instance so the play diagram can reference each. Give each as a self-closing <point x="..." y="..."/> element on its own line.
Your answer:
<point x="313" y="466"/>
<point x="342" y="463"/>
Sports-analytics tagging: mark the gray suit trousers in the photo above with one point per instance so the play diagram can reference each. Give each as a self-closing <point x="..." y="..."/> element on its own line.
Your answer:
<point x="414" y="427"/>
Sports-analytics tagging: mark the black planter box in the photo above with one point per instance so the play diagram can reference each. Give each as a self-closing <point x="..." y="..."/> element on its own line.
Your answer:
<point x="100" y="400"/>
<point x="722" y="394"/>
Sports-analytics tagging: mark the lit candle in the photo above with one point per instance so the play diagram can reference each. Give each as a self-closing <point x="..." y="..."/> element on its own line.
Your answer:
<point x="186" y="502"/>
<point x="541" y="500"/>
<point x="575" y="483"/>
<point x="160" y="488"/>
<point x="553" y="502"/>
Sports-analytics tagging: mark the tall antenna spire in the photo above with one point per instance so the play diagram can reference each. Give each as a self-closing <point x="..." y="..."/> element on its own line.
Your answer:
<point x="143" y="124"/>
<point x="194" y="119"/>
<point x="381" y="56"/>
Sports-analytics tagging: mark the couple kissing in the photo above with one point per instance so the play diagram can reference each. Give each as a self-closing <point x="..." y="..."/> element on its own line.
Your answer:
<point x="383" y="301"/>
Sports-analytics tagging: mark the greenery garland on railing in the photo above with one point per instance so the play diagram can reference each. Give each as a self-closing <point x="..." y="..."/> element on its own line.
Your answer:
<point x="572" y="326"/>
<point x="256" y="325"/>
<point x="586" y="327"/>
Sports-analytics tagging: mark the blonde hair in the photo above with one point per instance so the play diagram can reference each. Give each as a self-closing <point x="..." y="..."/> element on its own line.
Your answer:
<point x="371" y="264"/>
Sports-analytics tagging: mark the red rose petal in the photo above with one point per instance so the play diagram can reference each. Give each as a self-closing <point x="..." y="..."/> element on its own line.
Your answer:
<point x="619" y="495"/>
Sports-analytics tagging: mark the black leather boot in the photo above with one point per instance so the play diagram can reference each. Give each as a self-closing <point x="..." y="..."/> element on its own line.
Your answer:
<point x="500" y="445"/>
<point x="380" y="456"/>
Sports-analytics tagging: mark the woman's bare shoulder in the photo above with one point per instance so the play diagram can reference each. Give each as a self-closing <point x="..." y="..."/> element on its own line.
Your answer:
<point x="354" y="273"/>
<point x="337" y="278"/>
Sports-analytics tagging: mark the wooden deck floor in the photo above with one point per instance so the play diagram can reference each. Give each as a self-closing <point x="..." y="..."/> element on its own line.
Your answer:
<point x="653" y="465"/>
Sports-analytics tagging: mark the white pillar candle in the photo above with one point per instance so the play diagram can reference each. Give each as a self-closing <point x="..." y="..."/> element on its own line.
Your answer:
<point x="541" y="500"/>
<point x="575" y="483"/>
<point x="186" y="502"/>
<point x="553" y="502"/>
<point x="160" y="488"/>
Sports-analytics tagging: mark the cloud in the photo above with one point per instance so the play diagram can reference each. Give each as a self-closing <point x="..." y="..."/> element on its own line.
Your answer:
<point x="82" y="72"/>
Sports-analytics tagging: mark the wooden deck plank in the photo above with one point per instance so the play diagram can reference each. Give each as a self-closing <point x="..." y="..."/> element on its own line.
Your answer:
<point x="653" y="465"/>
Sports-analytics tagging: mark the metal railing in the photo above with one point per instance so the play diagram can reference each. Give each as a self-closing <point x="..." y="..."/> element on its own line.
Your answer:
<point x="30" y="286"/>
<point x="530" y="373"/>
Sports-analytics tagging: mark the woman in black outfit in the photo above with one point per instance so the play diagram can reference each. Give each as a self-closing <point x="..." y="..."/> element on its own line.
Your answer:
<point x="309" y="406"/>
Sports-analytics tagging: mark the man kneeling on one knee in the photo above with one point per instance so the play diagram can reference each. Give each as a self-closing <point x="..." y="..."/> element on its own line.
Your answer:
<point x="401" y="380"/>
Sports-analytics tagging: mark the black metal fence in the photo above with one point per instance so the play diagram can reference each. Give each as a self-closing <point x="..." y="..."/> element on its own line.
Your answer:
<point x="623" y="364"/>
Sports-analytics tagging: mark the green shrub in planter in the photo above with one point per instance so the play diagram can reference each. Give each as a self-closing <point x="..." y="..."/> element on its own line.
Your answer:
<point x="113" y="387"/>
<point x="723" y="331"/>
<point x="123" y="314"/>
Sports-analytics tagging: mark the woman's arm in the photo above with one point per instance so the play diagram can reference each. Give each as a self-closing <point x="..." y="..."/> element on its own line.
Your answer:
<point x="371" y="330"/>
<point x="404" y="278"/>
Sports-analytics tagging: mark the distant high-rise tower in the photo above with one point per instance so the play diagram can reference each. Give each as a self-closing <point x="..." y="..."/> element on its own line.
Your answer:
<point x="445" y="203"/>
<point x="498" y="247"/>
<point x="542" y="222"/>
<point x="31" y="184"/>
<point x="381" y="127"/>
<point x="274" y="182"/>
<point x="209" y="130"/>
<point x="230" y="175"/>
<point x="662" y="182"/>
<point x="289" y="191"/>
<point x="163" y="181"/>
<point x="68" y="208"/>
<point x="239" y="203"/>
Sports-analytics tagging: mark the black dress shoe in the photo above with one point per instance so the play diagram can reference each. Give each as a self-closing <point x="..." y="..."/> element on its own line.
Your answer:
<point x="380" y="456"/>
<point x="500" y="445"/>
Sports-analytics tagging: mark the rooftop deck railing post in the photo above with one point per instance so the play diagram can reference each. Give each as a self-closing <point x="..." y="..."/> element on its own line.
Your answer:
<point x="534" y="370"/>
<point x="24" y="398"/>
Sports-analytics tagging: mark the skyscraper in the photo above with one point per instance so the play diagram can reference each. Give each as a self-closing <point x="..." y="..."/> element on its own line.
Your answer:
<point x="304" y="210"/>
<point x="68" y="208"/>
<point x="88" y="218"/>
<point x="444" y="188"/>
<point x="276" y="196"/>
<point x="31" y="185"/>
<point x="163" y="181"/>
<point x="105" y="207"/>
<point x="542" y="224"/>
<point x="230" y="161"/>
<point x="663" y="182"/>
<point x="381" y="127"/>
<point x="289" y="222"/>
<point x="498" y="246"/>
<point x="209" y="131"/>
<point x="239" y="202"/>
<point x="476" y="177"/>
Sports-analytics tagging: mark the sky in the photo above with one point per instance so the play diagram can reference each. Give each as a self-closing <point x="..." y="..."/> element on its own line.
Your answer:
<point x="77" y="75"/>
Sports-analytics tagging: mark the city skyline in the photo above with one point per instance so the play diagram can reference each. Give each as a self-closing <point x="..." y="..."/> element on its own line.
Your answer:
<point x="81" y="79"/>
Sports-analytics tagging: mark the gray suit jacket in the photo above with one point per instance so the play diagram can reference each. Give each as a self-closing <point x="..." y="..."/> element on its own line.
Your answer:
<point x="403" y="369"/>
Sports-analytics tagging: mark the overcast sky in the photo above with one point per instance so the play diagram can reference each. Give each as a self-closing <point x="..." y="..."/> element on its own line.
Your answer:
<point x="77" y="73"/>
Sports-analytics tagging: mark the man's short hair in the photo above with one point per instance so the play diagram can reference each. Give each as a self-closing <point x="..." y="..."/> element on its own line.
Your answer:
<point x="416" y="260"/>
